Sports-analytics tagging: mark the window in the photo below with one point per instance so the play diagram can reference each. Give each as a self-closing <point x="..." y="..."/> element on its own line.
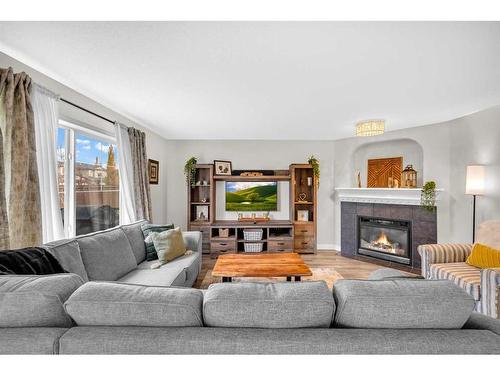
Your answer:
<point x="89" y="189"/>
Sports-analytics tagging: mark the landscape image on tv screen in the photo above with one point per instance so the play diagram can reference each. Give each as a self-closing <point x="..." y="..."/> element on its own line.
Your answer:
<point x="251" y="196"/>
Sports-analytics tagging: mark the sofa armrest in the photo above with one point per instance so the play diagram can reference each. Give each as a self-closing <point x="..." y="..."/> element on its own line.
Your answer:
<point x="480" y="321"/>
<point x="490" y="292"/>
<point x="442" y="253"/>
<point x="193" y="240"/>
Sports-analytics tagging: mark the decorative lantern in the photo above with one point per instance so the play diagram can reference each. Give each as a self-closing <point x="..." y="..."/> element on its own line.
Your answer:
<point x="409" y="177"/>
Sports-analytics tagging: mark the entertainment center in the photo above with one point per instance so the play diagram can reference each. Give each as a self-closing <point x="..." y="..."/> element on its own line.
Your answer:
<point x="250" y="232"/>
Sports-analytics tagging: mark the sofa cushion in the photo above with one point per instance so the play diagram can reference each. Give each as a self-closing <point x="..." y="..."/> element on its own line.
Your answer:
<point x="179" y="272"/>
<point x="116" y="304"/>
<point x="30" y="340"/>
<point x="268" y="305"/>
<point x="67" y="252"/>
<point x="147" y="229"/>
<point x="465" y="276"/>
<point x="107" y="255"/>
<point x="136" y="238"/>
<point x="401" y="304"/>
<point x="36" y="301"/>
<point x="387" y="273"/>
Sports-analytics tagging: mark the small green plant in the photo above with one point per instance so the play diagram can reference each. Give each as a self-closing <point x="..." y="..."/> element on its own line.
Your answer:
<point x="428" y="196"/>
<point x="315" y="165"/>
<point x="190" y="170"/>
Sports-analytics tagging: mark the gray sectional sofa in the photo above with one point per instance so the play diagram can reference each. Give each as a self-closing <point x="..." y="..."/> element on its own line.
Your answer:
<point x="112" y="302"/>
<point x="388" y="316"/>
<point x="119" y="254"/>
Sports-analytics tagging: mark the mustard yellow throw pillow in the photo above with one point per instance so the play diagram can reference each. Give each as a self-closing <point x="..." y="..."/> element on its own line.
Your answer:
<point x="169" y="244"/>
<point x="483" y="256"/>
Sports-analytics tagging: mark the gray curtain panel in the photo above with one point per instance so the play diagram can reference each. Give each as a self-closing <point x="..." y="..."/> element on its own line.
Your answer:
<point x="20" y="214"/>
<point x="141" y="175"/>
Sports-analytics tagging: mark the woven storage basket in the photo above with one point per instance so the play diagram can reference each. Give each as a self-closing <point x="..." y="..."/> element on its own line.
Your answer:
<point x="252" y="234"/>
<point x="253" y="247"/>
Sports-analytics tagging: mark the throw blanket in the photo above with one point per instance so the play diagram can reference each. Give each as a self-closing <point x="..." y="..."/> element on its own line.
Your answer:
<point x="29" y="261"/>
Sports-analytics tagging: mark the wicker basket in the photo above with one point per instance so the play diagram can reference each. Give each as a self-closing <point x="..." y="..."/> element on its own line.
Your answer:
<point x="253" y="247"/>
<point x="252" y="234"/>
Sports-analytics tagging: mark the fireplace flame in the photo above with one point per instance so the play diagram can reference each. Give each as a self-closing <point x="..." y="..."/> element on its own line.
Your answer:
<point x="382" y="239"/>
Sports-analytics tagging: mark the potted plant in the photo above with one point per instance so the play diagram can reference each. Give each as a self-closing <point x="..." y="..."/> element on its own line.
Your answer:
<point x="315" y="166"/>
<point x="190" y="170"/>
<point x="428" y="196"/>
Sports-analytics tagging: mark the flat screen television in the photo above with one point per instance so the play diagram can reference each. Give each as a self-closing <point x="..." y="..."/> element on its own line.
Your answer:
<point x="251" y="196"/>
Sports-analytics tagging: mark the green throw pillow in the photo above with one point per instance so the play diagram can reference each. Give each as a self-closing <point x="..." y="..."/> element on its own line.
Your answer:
<point x="147" y="229"/>
<point x="169" y="244"/>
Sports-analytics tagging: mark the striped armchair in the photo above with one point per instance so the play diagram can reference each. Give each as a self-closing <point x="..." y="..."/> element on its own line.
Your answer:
<point x="447" y="261"/>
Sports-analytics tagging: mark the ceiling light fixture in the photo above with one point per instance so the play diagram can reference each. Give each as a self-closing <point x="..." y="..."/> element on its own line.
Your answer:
<point x="370" y="128"/>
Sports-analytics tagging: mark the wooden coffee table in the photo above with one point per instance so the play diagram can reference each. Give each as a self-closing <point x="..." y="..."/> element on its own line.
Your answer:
<point x="261" y="265"/>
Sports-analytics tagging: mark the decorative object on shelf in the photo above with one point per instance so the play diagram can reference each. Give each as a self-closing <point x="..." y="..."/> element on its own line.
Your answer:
<point x="390" y="182"/>
<point x="370" y="128"/>
<point x="409" y="177"/>
<point x="315" y="165"/>
<point x="222" y="168"/>
<point x="474" y="185"/>
<point x="265" y="215"/>
<point x="204" y="183"/>
<point x="251" y="174"/>
<point x="201" y="213"/>
<point x="309" y="181"/>
<point x="190" y="170"/>
<point x="302" y="215"/>
<point x="380" y="170"/>
<point x="302" y="197"/>
<point x="428" y="196"/>
<point x="359" y="180"/>
<point x="223" y="232"/>
<point x="395" y="184"/>
<point x="154" y="171"/>
<point x="203" y="200"/>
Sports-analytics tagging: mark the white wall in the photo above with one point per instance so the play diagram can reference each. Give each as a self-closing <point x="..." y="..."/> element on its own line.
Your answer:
<point x="154" y="143"/>
<point x="252" y="155"/>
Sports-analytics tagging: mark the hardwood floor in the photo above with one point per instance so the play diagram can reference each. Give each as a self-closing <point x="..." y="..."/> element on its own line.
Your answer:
<point x="348" y="268"/>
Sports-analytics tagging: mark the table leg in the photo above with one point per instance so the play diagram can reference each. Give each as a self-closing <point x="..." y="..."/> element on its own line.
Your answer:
<point x="297" y="278"/>
<point x="226" y="279"/>
<point x="289" y="278"/>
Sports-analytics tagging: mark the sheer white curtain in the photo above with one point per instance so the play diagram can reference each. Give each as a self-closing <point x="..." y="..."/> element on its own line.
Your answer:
<point x="46" y="116"/>
<point x="125" y="167"/>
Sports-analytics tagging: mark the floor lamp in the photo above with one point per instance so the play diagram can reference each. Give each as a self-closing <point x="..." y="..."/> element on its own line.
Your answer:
<point x="474" y="185"/>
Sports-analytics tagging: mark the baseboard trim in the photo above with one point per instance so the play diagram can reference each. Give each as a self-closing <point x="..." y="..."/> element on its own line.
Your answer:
<point x="327" y="246"/>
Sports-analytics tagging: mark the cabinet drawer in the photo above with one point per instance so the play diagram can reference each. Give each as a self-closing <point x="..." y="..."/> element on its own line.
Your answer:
<point x="304" y="230"/>
<point x="303" y="243"/>
<point x="279" y="245"/>
<point x="223" y="245"/>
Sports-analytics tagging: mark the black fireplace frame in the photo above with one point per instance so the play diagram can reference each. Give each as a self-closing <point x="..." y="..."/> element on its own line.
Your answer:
<point x="405" y="260"/>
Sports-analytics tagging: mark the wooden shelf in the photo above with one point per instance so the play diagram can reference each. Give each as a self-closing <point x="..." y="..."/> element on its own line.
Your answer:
<point x="303" y="202"/>
<point x="218" y="238"/>
<point x="253" y="178"/>
<point x="280" y="238"/>
<point x="195" y="186"/>
<point x="201" y="203"/>
<point x="248" y="241"/>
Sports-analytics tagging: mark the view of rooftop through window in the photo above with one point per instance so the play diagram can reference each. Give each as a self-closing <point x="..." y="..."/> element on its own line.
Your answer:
<point x="96" y="181"/>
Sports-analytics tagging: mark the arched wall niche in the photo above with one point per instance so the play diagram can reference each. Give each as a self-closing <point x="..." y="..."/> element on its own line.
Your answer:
<point x="410" y="150"/>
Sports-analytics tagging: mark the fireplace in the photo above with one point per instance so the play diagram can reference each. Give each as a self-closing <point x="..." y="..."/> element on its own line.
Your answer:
<point x="386" y="239"/>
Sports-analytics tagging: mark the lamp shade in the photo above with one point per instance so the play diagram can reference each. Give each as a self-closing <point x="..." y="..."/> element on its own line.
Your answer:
<point x="474" y="183"/>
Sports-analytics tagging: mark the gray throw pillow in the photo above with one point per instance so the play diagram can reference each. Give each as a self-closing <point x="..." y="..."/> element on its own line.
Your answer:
<point x="147" y="229"/>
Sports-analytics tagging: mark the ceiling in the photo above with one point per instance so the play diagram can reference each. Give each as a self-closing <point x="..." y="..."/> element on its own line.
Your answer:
<point x="269" y="80"/>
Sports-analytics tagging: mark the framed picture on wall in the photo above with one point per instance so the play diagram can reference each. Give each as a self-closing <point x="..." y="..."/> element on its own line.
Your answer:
<point x="154" y="170"/>
<point x="222" y="168"/>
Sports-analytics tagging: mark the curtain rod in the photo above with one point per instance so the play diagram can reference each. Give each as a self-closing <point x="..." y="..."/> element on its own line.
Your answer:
<point x="87" y="110"/>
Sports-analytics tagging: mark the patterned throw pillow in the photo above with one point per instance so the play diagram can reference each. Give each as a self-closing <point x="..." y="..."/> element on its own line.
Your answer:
<point x="147" y="229"/>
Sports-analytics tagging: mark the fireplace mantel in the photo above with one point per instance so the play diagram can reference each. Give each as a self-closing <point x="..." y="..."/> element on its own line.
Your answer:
<point x="382" y="195"/>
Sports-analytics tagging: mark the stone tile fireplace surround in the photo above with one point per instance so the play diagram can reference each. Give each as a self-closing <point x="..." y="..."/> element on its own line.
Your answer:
<point x="422" y="224"/>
